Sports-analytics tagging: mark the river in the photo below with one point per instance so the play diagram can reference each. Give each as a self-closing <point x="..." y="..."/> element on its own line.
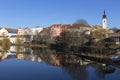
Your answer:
<point x="19" y="63"/>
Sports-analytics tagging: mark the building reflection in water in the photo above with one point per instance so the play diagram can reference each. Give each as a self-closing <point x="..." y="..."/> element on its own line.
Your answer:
<point x="19" y="53"/>
<point x="75" y="66"/>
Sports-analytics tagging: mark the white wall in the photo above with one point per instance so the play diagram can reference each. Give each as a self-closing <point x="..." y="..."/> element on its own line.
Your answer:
<point x="3" y="31"/>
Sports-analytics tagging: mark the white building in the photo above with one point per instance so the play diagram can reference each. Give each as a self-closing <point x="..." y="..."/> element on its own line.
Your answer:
<point x="36" y="30"/>
<point x="25" y="33"/>
<point x="8" y="32"/>
<point x="3" y="32"/>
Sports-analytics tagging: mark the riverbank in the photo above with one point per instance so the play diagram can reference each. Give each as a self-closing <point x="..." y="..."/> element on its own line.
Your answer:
<point x="38" y="46"/>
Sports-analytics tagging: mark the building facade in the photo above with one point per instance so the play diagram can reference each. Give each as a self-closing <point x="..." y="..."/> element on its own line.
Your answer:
<point x="25" y="34"/>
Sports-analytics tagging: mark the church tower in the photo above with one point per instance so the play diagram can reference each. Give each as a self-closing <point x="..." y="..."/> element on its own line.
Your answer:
<point x="104" y="21"/>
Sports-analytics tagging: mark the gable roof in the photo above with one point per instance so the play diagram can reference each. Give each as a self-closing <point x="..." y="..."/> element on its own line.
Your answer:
<point x="11" y="30"/>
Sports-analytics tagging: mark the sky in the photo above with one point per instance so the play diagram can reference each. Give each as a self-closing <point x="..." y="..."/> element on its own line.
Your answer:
<point x="44" y="13"/>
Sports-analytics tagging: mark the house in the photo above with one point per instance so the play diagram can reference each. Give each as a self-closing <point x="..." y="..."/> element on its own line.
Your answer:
<point x="8" y="32"/>
<point x="79" y="28"/>
<point x="115" y="37"/>
<point x="57" y="29"/>
<point x="3" y="32"/>
<point x="25" y="34"/>
<point x="35" y="30"/>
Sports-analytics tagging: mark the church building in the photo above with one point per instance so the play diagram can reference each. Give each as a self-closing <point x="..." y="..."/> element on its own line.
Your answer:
<point x="104" y="21"/>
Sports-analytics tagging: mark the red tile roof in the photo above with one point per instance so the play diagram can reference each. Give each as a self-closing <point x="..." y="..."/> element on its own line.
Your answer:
<point x="9" y="30"/>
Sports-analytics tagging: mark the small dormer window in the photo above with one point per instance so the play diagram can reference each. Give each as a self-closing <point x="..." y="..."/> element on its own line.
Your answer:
<point x="13" y="31"/>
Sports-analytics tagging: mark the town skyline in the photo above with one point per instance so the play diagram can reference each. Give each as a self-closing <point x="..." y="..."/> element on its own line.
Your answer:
<point x="24" y="13"/>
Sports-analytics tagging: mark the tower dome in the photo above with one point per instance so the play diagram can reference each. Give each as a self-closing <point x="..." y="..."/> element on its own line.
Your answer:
<point x="104" y="15"/>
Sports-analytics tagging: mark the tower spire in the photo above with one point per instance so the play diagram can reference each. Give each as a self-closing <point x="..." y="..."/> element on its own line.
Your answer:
<point x="104" y="15"/>
<point x="104" y="12"/>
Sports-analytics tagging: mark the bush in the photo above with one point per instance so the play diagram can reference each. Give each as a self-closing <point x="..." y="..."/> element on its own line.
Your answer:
<point x="5" y="44"/>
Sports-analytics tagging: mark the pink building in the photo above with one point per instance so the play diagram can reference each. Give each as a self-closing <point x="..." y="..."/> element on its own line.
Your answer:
<point x="56" y="30"/>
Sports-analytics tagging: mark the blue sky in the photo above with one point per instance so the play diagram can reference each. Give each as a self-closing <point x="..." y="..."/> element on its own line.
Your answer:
<point x="29" y="13"/>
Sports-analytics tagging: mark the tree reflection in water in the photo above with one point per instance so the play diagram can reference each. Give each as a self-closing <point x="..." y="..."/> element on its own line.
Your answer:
<point x="75" y="66"/>
<point x="77" y="72"/>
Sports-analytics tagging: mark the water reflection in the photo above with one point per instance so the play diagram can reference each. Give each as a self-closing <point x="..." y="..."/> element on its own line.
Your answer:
<point x="20" y="52"/>
<point x="79" y="68"/>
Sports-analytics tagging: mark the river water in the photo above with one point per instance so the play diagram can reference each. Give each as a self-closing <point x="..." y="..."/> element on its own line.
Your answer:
<point x="19" y="63"/>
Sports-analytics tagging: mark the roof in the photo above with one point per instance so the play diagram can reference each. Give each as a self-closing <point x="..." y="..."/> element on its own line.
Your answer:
<point x="11" y="30"/>
<point x="117" y="34"/>
<point x="104" y="15"/>
<point x="72" y="26"/>
<point x="44" y="30"/>
<point x="55" y="25"/>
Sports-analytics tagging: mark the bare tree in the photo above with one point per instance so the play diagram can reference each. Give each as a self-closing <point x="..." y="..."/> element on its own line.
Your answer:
<point x="115" y="29"/>
<point x="81" y="21"/>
